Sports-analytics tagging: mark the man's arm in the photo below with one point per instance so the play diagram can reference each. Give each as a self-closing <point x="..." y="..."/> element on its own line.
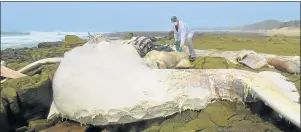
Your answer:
<point x="174" y="33"/>
<point x="183" y="34"/>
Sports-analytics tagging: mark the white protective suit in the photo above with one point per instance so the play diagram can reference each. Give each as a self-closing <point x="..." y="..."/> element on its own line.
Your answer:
<point x="184" y="32"/>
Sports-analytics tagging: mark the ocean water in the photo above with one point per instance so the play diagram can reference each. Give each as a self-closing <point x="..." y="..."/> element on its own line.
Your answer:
<point x="32" y="39"/>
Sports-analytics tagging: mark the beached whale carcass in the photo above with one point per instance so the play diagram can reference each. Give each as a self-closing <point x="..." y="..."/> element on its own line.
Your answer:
<point x="108" y="83"/>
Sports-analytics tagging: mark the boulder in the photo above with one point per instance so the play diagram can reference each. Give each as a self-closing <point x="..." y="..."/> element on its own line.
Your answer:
<point x="28" y="98"/>
<point x="128" y="36"/>
<point x="10" y="100"/>
<point x="219" y="116"/>
<point x="22" y="129"/>
<point x="72" y="41"/>
<point x="3" y="118"/>
<point x="66" y="127"/>
<point x="38" y="125"/>
<point x="213" y="63"/>
<point x="50" y="44"/>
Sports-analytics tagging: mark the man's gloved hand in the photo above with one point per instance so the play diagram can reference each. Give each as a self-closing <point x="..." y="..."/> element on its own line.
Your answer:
<point x="175" y="42"/>
<point x="176" y="39"/>
<point x="180" y="47"/>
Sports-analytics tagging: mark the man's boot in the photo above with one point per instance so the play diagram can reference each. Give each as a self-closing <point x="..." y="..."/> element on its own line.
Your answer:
<point x="192" y="59"/>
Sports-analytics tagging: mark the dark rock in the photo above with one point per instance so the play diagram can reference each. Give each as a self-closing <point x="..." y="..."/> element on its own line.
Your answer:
<point x="22" y="129"/>
<point x="10" y="100"/>
<point x="18" y="58"/>
<point x="94" y="129"/>
<point x="153" y="39"/>
<point x="36" y="71"/>
<point x="15" y="55"/>
<point x="50" y="44"/>
<point x="27" y="98"/>
<point x="3" y="118"/>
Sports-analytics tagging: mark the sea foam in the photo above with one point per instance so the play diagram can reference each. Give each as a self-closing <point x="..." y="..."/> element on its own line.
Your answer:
<point x="31" y="39"/>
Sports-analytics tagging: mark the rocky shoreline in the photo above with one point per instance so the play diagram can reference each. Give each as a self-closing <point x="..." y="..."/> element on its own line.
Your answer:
<point x="25" y="103"/>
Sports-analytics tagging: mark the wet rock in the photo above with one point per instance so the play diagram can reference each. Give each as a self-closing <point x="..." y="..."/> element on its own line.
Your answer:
<point x="15" y="55"/>
<point x="36" y="100"/>
<point x="66" y="127"/>
<point x="10" y="99"/>
<point x="39" y="125"/>
<point x="28" y="97"/>
<point x="43" y="53"/>
<point x="3" y="118"/>
<point x="36" y="71"/>
<point x="18" y="58"/>
<point x="22" y="129"/>
<point x="45" y="69"/>
<point x="50" y="44"/>
<point x="72" y="41"/>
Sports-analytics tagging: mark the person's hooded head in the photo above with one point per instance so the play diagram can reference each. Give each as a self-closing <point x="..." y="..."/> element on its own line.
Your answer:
<point x="175" y="20"/>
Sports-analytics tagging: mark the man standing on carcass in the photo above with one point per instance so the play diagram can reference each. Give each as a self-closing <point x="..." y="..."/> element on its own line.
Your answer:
<point x="182" y="32"/>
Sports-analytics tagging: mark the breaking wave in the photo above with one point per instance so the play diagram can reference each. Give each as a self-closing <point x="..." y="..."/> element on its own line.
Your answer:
<point x="31" y="39"/>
